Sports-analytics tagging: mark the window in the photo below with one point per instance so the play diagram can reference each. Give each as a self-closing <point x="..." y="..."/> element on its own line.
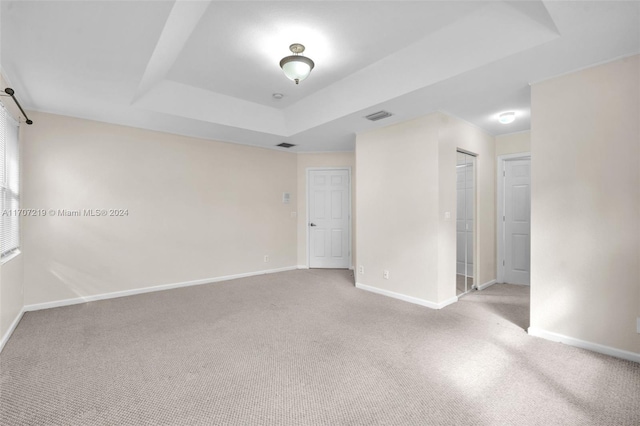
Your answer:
<point x="9" y="184"/>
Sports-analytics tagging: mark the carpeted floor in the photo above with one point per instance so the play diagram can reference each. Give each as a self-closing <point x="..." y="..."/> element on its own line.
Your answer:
<point x="304" y="348"/>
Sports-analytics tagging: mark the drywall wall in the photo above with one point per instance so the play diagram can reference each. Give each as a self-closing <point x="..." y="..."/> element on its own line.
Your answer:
<point x="11" y="271"/>
<point x="11" y="289"/>
<point x="585" y="233"/>
<point x="397" y="217"/>
<point x="196" y="209"/>
<point x="406" y="183"/>
<point x="513" y="143"/>
<point x="319" y="160"/>
<point x="456" y="134"/>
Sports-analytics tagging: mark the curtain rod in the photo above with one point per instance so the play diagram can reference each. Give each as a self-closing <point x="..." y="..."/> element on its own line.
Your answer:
<point x="9" y="91"/>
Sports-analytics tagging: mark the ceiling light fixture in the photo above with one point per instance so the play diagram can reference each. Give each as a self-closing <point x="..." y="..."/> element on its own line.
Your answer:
<point x="296" y="67"/>
<point x="507" y="117"/>
<point x="278" y="96"/>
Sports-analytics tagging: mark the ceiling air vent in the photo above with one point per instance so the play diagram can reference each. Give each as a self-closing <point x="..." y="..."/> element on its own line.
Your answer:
<point x="378" y="115"/>
<point x="285" y="145"/>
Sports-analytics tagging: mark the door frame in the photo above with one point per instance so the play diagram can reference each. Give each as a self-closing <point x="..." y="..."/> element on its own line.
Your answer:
<point x="307" y="201"/>
<point x="476" y="255"/>
<point x="500" y="208"/>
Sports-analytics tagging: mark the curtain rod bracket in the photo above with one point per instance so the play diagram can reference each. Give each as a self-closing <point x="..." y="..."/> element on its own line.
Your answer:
<point x="9" y="91"/>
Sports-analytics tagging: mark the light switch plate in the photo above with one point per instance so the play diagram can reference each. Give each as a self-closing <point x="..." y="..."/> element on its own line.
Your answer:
<point x="447" y="215"/>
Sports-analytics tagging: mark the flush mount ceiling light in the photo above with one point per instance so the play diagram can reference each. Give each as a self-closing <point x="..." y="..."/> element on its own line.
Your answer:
<point x="507" y="117"/>
<point x="296" y="67"/>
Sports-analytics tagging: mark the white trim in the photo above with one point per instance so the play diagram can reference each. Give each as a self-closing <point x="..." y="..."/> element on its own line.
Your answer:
<point x="595" y="347"/>
<point x="302" y="267"/>
<point x="115" y="294"/>
<point x="308" y="245"/>
<point x="487" y="284"/>
<point x="405" y="298"/>
<point x="500" y="167"/>
<point x="11" y="329"/>
<point x="448" y="302"/>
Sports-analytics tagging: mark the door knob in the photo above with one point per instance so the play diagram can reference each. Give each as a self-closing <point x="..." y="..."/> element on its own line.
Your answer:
<point x="312" y="224"/>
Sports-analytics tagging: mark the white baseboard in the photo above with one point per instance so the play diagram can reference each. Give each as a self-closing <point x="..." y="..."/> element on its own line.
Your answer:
<point x="487" y="284"/>
<point x="115" y="294"/>
<point x="306" y="267"/>
<point x="447" y="302"/>
<point x="404" y="297"/>
<point x="595" y="347"/>
<point x="12" y="327"/>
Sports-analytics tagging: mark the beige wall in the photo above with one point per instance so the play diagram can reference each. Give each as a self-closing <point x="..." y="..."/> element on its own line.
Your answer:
<point x="11" y="272"/>
<point x="339" y="159"/>
<point x="197" y="209"/>
<point x="397" y="217"/>
<point x="585" y="233"/>
<point x="456" y="134"/>
<point x="513" y="143"/>
<point x="406" y="182"/>
<point x="11" y="292"/>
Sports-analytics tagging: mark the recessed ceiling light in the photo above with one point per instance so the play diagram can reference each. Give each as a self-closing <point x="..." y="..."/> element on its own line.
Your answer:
<point x="278" y="96"/>
<point x="507" y="117"/>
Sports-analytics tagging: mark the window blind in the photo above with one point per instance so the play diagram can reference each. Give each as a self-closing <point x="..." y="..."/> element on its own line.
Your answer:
<point x="9" y="184"/>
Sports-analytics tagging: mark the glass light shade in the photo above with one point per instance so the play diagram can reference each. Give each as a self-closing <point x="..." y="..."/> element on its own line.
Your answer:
<point x="507" y="117"/>
<point x="296" y="67"/>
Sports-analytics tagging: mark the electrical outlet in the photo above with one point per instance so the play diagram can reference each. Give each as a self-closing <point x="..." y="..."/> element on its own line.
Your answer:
<point x="361" y="269"/>
<point x="266" y="258"/>
<point x="385" y="274"/>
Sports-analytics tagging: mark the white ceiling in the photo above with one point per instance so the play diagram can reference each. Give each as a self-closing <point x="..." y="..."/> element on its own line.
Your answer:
<point x="209" y="68"/>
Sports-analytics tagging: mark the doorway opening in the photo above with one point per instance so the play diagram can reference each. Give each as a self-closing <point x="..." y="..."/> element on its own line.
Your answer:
<point x="329" y="217"/>
<point x="514" y="219"/>
<point x="465" y="221"/>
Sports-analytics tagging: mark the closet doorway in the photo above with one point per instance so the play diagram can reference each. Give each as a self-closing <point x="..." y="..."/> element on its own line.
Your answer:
<point x="465" y="221"/>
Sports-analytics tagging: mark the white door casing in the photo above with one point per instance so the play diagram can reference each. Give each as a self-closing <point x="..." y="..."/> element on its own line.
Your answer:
<point x="515" y="255"/>
<point x="329" y="218"/>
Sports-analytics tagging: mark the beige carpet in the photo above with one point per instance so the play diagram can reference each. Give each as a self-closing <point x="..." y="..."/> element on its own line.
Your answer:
<point x="304" y="348"/>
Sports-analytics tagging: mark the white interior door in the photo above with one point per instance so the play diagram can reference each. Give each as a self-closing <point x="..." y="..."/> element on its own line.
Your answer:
<point x="517" y="221"/>
<point x="329" y="221"/>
